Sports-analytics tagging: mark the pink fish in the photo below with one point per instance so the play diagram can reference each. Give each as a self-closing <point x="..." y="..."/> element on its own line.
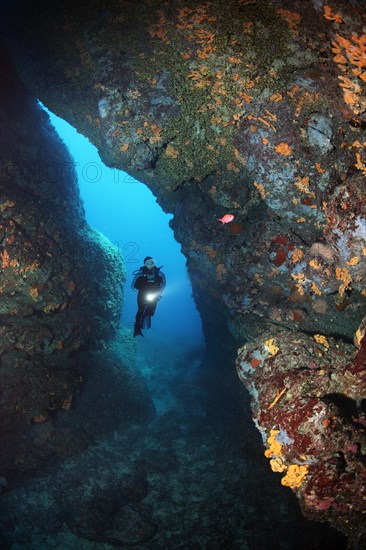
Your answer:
<point x="226" y="219"/>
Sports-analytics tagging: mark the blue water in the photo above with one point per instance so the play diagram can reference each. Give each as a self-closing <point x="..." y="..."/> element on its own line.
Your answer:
<point x="126" y="212"/>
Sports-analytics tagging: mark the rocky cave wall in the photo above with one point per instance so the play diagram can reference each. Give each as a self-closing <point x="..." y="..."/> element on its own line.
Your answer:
<point x="61" y="287"/>
<point x="256" y="109"/>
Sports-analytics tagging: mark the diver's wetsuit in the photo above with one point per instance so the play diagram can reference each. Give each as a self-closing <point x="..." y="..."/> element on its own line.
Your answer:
<point x="147" y="282"/>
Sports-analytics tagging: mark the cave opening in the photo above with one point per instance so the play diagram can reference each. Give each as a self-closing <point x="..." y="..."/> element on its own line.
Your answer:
<point x="127" y="213"/>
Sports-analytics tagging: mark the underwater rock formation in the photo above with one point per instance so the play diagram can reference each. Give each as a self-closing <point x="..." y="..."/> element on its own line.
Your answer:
<point x="255" y="109"/>
<point x="307" y="405"/>
<point x="114" y="395"/>
<point x="61" y="288"/>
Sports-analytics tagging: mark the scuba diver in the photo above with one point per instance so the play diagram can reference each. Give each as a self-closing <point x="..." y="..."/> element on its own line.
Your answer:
<point x="149" y="282"/>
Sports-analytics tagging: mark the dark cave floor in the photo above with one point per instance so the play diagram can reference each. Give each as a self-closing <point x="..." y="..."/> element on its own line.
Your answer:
<point x="193" y="478"/>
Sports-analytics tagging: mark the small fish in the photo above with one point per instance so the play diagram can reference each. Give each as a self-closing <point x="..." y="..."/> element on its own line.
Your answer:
<point x="226" y="219"/>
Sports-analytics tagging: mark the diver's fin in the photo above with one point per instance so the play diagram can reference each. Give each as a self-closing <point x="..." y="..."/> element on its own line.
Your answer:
<point x="137" y="332"/>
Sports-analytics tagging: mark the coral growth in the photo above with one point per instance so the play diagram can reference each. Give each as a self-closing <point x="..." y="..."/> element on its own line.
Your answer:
<point x="306" y="400"/>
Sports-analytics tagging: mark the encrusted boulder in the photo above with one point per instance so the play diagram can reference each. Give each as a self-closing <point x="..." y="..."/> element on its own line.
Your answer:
<point x="114" y="514"/>
<point x="308" y="403"/>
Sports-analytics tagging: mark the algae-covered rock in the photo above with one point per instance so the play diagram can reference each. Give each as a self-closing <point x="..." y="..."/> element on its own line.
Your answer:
<point x="307" y="400"/>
